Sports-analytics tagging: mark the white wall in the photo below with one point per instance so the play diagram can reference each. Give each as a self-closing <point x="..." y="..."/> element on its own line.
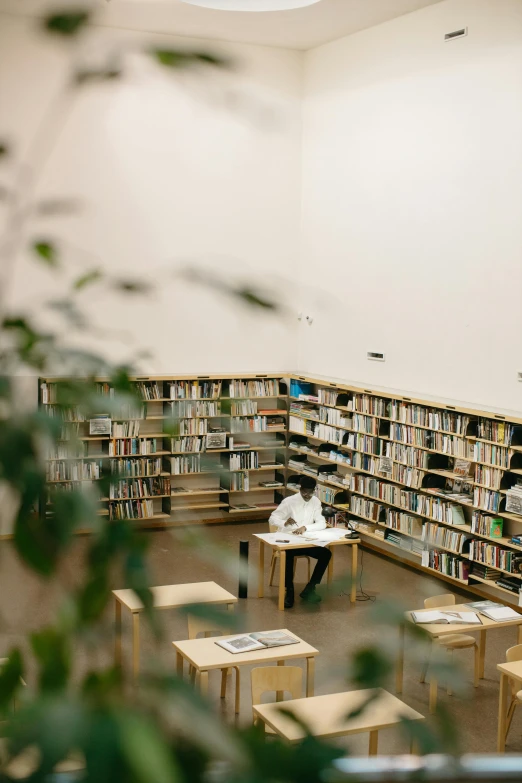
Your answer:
<point x="412" y="204"/>
<point x="201" y="168"/>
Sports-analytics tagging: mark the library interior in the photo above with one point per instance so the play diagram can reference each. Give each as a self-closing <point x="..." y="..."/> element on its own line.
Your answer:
<point x="260" y="269"/>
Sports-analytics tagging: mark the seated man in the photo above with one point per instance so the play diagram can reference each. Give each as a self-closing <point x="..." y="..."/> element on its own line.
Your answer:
<point x="298" y="514"/>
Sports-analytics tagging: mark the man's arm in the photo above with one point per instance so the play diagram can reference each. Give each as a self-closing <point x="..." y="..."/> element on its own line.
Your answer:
<point x="281" y="514"/>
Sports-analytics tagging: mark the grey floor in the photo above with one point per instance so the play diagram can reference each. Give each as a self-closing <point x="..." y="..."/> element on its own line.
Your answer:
<point x="336" y="627"/>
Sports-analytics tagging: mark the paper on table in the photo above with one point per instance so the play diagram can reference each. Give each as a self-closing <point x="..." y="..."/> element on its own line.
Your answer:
<point x="319" y="538"/>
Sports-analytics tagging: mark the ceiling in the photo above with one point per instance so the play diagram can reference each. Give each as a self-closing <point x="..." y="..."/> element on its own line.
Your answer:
<point x="302" y="28"/>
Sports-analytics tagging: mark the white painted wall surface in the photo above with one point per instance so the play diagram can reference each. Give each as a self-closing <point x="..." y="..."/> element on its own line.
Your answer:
<point x="412" y="204"/>
<point x="198" y="168"/>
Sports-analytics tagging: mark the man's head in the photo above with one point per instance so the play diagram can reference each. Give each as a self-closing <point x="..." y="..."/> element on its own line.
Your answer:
<point x="307" y="487"/>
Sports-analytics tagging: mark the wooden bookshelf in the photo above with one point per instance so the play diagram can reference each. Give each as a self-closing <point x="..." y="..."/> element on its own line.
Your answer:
<point x="336" y="419"/>
<point x="174" y="411"/>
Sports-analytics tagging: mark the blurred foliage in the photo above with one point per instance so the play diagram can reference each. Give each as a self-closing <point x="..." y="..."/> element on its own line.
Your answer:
<point x="161" y="731"/>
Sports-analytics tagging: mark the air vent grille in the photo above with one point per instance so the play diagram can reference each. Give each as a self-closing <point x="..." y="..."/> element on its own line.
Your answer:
<point x="456" y="34"/>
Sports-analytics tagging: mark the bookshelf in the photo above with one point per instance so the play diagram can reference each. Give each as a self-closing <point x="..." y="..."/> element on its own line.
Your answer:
<point x="201" y="449"/>
<point x="434" y="485"/>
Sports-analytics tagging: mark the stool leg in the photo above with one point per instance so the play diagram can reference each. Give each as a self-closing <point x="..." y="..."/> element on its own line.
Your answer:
<point x="238" y="689"/>
<point x="425" y="667"/>
<point x="224" y="673"/>
<point x="478" y="666"/>
<point x="509" y="716"/>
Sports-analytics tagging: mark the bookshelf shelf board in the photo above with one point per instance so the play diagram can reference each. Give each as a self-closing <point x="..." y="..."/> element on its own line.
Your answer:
<point x="117" y="477"/>
<point x="389" y="543"/>
<point x="159" y="515"/>
<point x="256" y="509"/>
<point x="259" y="397"/>
<point x="196" y="506"/>
<point x="517" y="471"/>
<point x="259" y="470"/>
<point x="448" y="576"/>
<point x="506" y="515"/>
<point x="494" y="443"/>
<point x="143" y="436"/>
<point x="71" y="481"/>
<point x="137" y="456"/>
<point x="492" y="583"/>
<point x="138" y="497"/>
<point x="213" y="491"/>
<point x="498" y="568"/>
<point x="255" y="489"/>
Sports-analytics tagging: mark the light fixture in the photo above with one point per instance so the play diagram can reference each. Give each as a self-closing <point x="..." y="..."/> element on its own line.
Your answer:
<point x="251" y="5"/>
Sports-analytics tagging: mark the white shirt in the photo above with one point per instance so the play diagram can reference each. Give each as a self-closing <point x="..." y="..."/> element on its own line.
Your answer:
<point x="307" y="514"/>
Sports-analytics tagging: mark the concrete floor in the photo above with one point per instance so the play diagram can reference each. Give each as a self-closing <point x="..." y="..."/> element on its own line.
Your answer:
<point x="335" y="627"/>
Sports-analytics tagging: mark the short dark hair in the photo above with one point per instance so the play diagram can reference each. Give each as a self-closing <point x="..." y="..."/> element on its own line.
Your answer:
<point x="307" y="482"/>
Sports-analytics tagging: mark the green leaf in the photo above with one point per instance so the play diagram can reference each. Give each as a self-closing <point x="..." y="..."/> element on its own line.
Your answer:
<point x="4" y="149"/>
<point x="371" y="668"/>
<point x="11" y="673"/>
<point x="90" y="277"/>
<point x="66" y="23"/>
<point x="51" y="648"/>
<point x="147" y="753"/>
<point x="177" y="58"/>
<point x="132" y="286"/>
<point x="253" y="299"/>
<point x="46" y="251"/>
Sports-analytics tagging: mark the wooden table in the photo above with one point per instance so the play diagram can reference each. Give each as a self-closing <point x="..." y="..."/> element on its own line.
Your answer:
<point x="164" y="597"/>
<point x="205" y="655"/>
<point x="437" y="630"/>
<point x="327" y="716"/>
<point x="282" y="549"/>
<point x="508" y="671"/>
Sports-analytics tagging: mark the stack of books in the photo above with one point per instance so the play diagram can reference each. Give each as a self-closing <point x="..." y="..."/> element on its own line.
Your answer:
<point x="484" y="571"/>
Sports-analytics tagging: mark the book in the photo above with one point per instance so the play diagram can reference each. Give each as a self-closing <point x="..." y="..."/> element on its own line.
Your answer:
<point x="256" y="641"/>
<point x="453" y="618"/>
<point x="501" y="614"/>
<point x="480" y="605"/>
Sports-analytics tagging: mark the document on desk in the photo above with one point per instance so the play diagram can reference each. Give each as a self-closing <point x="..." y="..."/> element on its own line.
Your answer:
<point x="321" y="538"/>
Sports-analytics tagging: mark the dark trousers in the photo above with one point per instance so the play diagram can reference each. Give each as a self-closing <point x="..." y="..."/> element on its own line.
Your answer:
<point x="319" y="553"/>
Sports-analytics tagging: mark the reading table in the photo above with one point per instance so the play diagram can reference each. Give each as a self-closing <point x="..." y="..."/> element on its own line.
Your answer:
<point x="204" y="655"/>
<point x="164" y="597"/>
<point x="327" y="716"/>
<point x="436" y="630"/>
<point x="271" y="540"/>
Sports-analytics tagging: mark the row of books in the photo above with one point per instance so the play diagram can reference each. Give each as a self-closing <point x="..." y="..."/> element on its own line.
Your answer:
<point x="498" y="456"/>
<point x="121" y="448"/>
<point x="327" y="396"/>
<point x="446" y="563"/>
<point x="189" y="426"/>
<point x="254" y="388"/>
<point x="326" y="494"/>
<point x="73" y="471"/>
<point x="67" y="451"/>
<point x="412" y="477"/>
<point x="256" y="423"/>
<point x="367" y="424"/>
<point x="487" y="499"/>
<point x="132" y="509"/>
<point x="336" y="417"/>
<point x="440" y="510"/>
<point x="185" y="464"/>
<point x="243" y="407"/>
<point x="368" y="444"/>
<point x="240" y="482"/>
<point x="489" y="477"/>
<point x="486" y="526"/>
<point x="499" y="431"/>
<point x="366" y="403"/>
<point x="188" y="444"/>
<point x="125" y="429"/>
<point x="445" y="537"/>
<point x="403" y="522"/>
<point x="149" y="390"/>
<point x="368" y="509"/>
<point x="433" y="419"/>
<point x="244" y="460"/>
<point x="408" y="455"/>
<point x="495" y="556"/>
<point x="65" y="413"/>
<point x="191" y="409"/>
<point x="135" y="467"/>
<point x="139" y="488"/>
<point x="514" y="498"/>
<point x="193" y="390"/>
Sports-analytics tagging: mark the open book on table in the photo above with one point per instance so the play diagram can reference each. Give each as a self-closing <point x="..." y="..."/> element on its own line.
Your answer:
<point x="256" y="641"/>
<point x="453" y="618"/>
<point x="501" y="613"/>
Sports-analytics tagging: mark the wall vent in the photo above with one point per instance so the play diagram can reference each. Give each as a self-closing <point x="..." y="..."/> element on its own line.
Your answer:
<point x="519" y="375"/>
<point x="375" y="357"/>
<point x="456" y="34"/>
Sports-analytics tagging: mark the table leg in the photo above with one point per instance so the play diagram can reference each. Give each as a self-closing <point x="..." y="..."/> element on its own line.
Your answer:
<point x="330" y="567"/>
<point x="310" y="672"/>
<point x="353" y="592"/>
<point x="282" y="569"/>
<point x="117" y="638"/>
<point x="261" y="570"/>
<point x="399" y="674"/>
<point x="502" y="712"/>
<point x="135" y="644"/>
<point x="433" y="694"/>
<point x="179" y="665"/>
<point x="203" y="683"/>
<point x="374" y="739"/>
<point x="482" y="653"/>
<point x="280" y="695"/>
